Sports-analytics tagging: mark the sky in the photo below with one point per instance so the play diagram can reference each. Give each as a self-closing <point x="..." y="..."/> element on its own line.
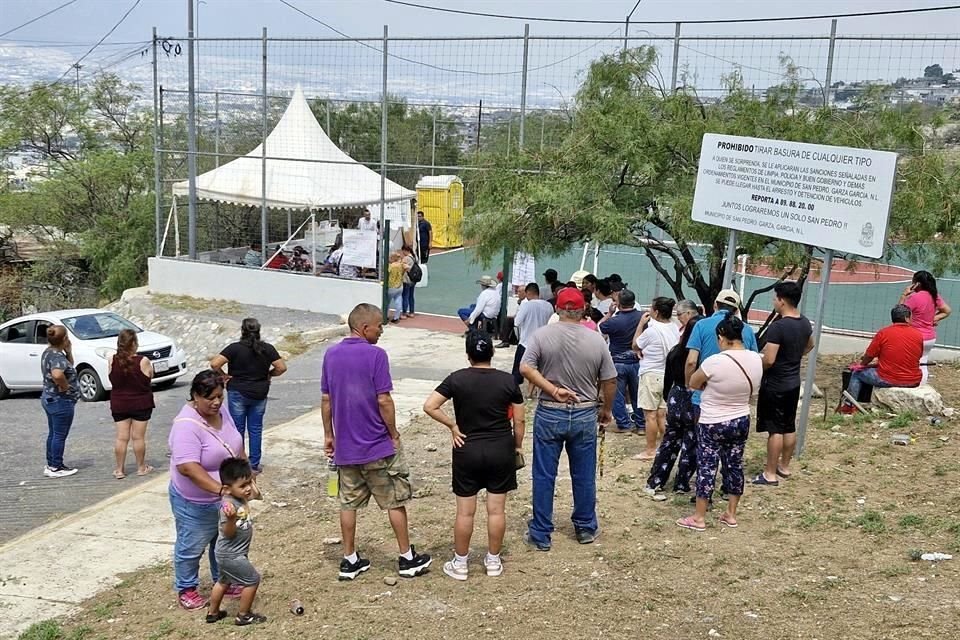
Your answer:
<point x="462" y="71"/>
<point x="88" y="20"/>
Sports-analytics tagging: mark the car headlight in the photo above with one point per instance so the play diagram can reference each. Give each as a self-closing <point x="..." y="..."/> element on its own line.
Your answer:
<point x="105" y="352"/>
<point x="173" y="347"/>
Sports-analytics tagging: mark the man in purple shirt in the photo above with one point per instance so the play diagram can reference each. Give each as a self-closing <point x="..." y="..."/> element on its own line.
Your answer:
<point x="360" y="434"/>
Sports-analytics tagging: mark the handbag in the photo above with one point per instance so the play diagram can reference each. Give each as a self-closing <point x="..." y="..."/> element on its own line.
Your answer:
<point x="253" y="481"/>
<point x="518" y="461"/>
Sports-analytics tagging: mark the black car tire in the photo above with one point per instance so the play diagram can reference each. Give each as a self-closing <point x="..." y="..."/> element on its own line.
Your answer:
<point x="4" y="390"/>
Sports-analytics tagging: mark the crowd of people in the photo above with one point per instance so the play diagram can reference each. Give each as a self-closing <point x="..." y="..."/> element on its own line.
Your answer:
<point x="589" y="356"/>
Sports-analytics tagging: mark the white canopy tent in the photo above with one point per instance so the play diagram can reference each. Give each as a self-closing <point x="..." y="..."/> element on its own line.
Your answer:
<point x="314" y="174"/>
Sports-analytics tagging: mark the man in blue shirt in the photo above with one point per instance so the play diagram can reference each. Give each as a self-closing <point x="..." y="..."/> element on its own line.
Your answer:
<point x="703" y="341"/>
<point x="620" y="330"/>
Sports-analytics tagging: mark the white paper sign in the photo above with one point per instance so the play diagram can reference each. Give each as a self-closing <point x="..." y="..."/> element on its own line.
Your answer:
<point x="398" y="213"/>
<point x="524" y="270"/>
<point x="829" y="197"/>
<point x="360" y="248"/>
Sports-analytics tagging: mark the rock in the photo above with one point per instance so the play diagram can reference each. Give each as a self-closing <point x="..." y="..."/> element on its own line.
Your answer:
<point x="948" y="412"/>
<point x="713" y="633"/>
<point x="895" y="598"/>
<point x="431" y="447"/>
<point x="816" y="391"/>
<point x="918" y="400"/>
<point x="329" y="541"/>
<point x="389" y="581"/>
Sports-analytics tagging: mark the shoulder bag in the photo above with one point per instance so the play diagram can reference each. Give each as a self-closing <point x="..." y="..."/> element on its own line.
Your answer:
<point x="745" y="374"/>
<point x="253" y="481"/>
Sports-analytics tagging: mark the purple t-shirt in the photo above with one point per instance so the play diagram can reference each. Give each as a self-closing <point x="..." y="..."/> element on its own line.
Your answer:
<point x="190" y="442"/>
<point x="354" y="373"/>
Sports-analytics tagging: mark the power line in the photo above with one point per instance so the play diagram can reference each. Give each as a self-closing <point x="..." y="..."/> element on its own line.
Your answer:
<point x="858" y="14"/>
<point x="433" y="66"/>
<point x="40" y="17"/>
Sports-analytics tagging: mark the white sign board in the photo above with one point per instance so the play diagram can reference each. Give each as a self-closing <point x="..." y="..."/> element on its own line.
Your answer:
<point x="829" y="197"/>
<point x="398" y="213"/>
<point x="524" y="270"/>
<point x="360" y="248"/>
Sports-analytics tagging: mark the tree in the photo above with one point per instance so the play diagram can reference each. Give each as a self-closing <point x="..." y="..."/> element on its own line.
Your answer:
<point x="99" y="189"/>
<point x="933" y="71"/>
<point x="625" y="172"/>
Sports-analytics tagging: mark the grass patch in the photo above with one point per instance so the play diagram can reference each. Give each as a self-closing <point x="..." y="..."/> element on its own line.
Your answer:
<point x="871" y="522"/>
<point x="186" y="303"/>
<point x="51" y="630"/>
<point x="163" y="630"/>
<point x="911" y="521"/>
<point x="903" y="421"/>
<point x="294" y="344"/>
<point x="809" y="520"/>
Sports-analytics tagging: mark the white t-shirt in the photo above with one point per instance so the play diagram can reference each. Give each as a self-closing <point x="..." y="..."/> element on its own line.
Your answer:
<point x="532" y="315"/>
<point x="655" y="343"/>
<point x="367" y="225"/>
<point x="603" y="306"/>
<point x="727" y="395"/>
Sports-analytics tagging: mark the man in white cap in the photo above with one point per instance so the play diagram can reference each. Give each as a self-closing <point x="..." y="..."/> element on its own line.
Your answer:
<point x="487" y="306"/>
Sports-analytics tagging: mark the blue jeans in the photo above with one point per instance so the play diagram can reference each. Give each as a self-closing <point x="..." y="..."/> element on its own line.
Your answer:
<point x="408" y="302"/>
<point x="465" y="312"/>
<point x="395" y="301"/>
<point x="247" y="414"/>
<point x="628" y="382"/>
<point x="554" y="429"/>
<point x="868" y="376"/>
<point x="196" y="526"/>
<point x="59" y="412"/>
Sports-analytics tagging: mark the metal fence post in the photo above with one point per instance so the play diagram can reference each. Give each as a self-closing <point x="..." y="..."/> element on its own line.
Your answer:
<point x="385" y="267"/>
<point x="433" y="145"/>
<point x="504" y="285"/>
<point x="523" y="84"/>
<point x="812" y="358"/>
<point x="383" y="144"/>
<point x="191" y="142"/>
<point x="156" y="147"/>
<point x="730" y="260"/>
<point x="676" y="57"/>
<point x="263" y="159"/>
<point x="216" y="131"/>
<point x="828" y="97"/>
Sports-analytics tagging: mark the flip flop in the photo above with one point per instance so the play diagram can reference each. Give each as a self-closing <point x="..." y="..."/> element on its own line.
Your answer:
<point x="725" y="520"/>
<point x="691" y="524"/>
<point x="643" y="457"/>
<point x="782" y="474"/>
<point x="119" y="475"/>
<point x="763" y="481"/>
<point x="145" y="471"/>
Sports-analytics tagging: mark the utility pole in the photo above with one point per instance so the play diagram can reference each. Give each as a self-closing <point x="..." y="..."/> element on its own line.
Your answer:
<point x="626" y="24"/>
<point x="77" y="68"/>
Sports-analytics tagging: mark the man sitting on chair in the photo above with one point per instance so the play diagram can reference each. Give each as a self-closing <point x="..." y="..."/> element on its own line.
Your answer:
<point x="487" y="307"/>
<point x="897" y="350"/>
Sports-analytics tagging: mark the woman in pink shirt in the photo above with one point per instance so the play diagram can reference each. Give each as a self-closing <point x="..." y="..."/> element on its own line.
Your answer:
<point x="927" y="309"/>
<point x="203" y="435"/>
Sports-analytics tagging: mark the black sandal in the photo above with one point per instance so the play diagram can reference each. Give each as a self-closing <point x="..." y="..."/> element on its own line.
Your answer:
<point x="216" y="617"/>
<point x="249" y="618"/>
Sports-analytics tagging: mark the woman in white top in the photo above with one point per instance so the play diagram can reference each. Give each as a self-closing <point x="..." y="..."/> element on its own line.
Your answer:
<point x="656" y="335"/>
<point x="728" y="380"/>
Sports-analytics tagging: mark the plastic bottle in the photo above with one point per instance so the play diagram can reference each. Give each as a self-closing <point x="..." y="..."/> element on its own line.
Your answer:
<point x="296" y="608"/>
<point x="333" y="480"/>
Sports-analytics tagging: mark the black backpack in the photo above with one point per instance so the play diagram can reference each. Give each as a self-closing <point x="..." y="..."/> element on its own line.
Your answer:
<point x="415" y="274"/>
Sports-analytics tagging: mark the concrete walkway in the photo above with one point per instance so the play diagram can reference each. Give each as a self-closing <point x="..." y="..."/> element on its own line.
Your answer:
<point x="88" y="551"/>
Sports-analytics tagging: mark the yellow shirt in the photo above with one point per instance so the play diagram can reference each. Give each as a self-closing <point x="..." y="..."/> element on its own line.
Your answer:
<point x="395" y="279"/>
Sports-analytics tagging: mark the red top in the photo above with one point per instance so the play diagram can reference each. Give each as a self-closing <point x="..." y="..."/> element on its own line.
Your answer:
<point x="131" y="388"/>
<point x="898" y="349"/>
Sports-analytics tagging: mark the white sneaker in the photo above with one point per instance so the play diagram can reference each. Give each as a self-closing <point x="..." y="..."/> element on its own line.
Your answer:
<point x="59" y="472"/>
<point x="493" y="565"/>
<point x="654" y="494"/>
<point x="455" y="570"/>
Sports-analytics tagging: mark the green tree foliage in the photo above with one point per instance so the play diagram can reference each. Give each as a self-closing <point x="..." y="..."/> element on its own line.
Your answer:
<point x="933" y="71"/>
<point x="625" y="172"/>
<point x="97" y="199"/>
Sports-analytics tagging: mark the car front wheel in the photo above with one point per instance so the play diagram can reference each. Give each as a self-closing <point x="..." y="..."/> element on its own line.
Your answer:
<point x="91" y="389"/>
<point x="4" y="390"/>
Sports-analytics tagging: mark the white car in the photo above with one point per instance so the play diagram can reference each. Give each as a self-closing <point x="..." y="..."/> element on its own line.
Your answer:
<point x="93" y="334"/>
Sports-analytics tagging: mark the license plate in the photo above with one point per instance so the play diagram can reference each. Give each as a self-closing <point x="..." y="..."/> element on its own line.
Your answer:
<point x="160" y="365"/>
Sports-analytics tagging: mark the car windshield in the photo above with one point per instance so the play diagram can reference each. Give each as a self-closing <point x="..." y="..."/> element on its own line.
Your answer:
<point x="94" y="326"/>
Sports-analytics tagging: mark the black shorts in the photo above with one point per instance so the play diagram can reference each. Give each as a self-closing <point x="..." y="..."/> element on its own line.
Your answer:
<point x="777" y="412"/>
<point x="143" y="415"/>
<point x="484" y="464"/>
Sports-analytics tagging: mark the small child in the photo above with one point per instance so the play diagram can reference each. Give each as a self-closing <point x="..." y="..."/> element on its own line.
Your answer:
<point x="233" y="544"/>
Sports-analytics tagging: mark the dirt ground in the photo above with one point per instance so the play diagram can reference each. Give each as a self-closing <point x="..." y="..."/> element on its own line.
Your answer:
<point x="825" y="555"/>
